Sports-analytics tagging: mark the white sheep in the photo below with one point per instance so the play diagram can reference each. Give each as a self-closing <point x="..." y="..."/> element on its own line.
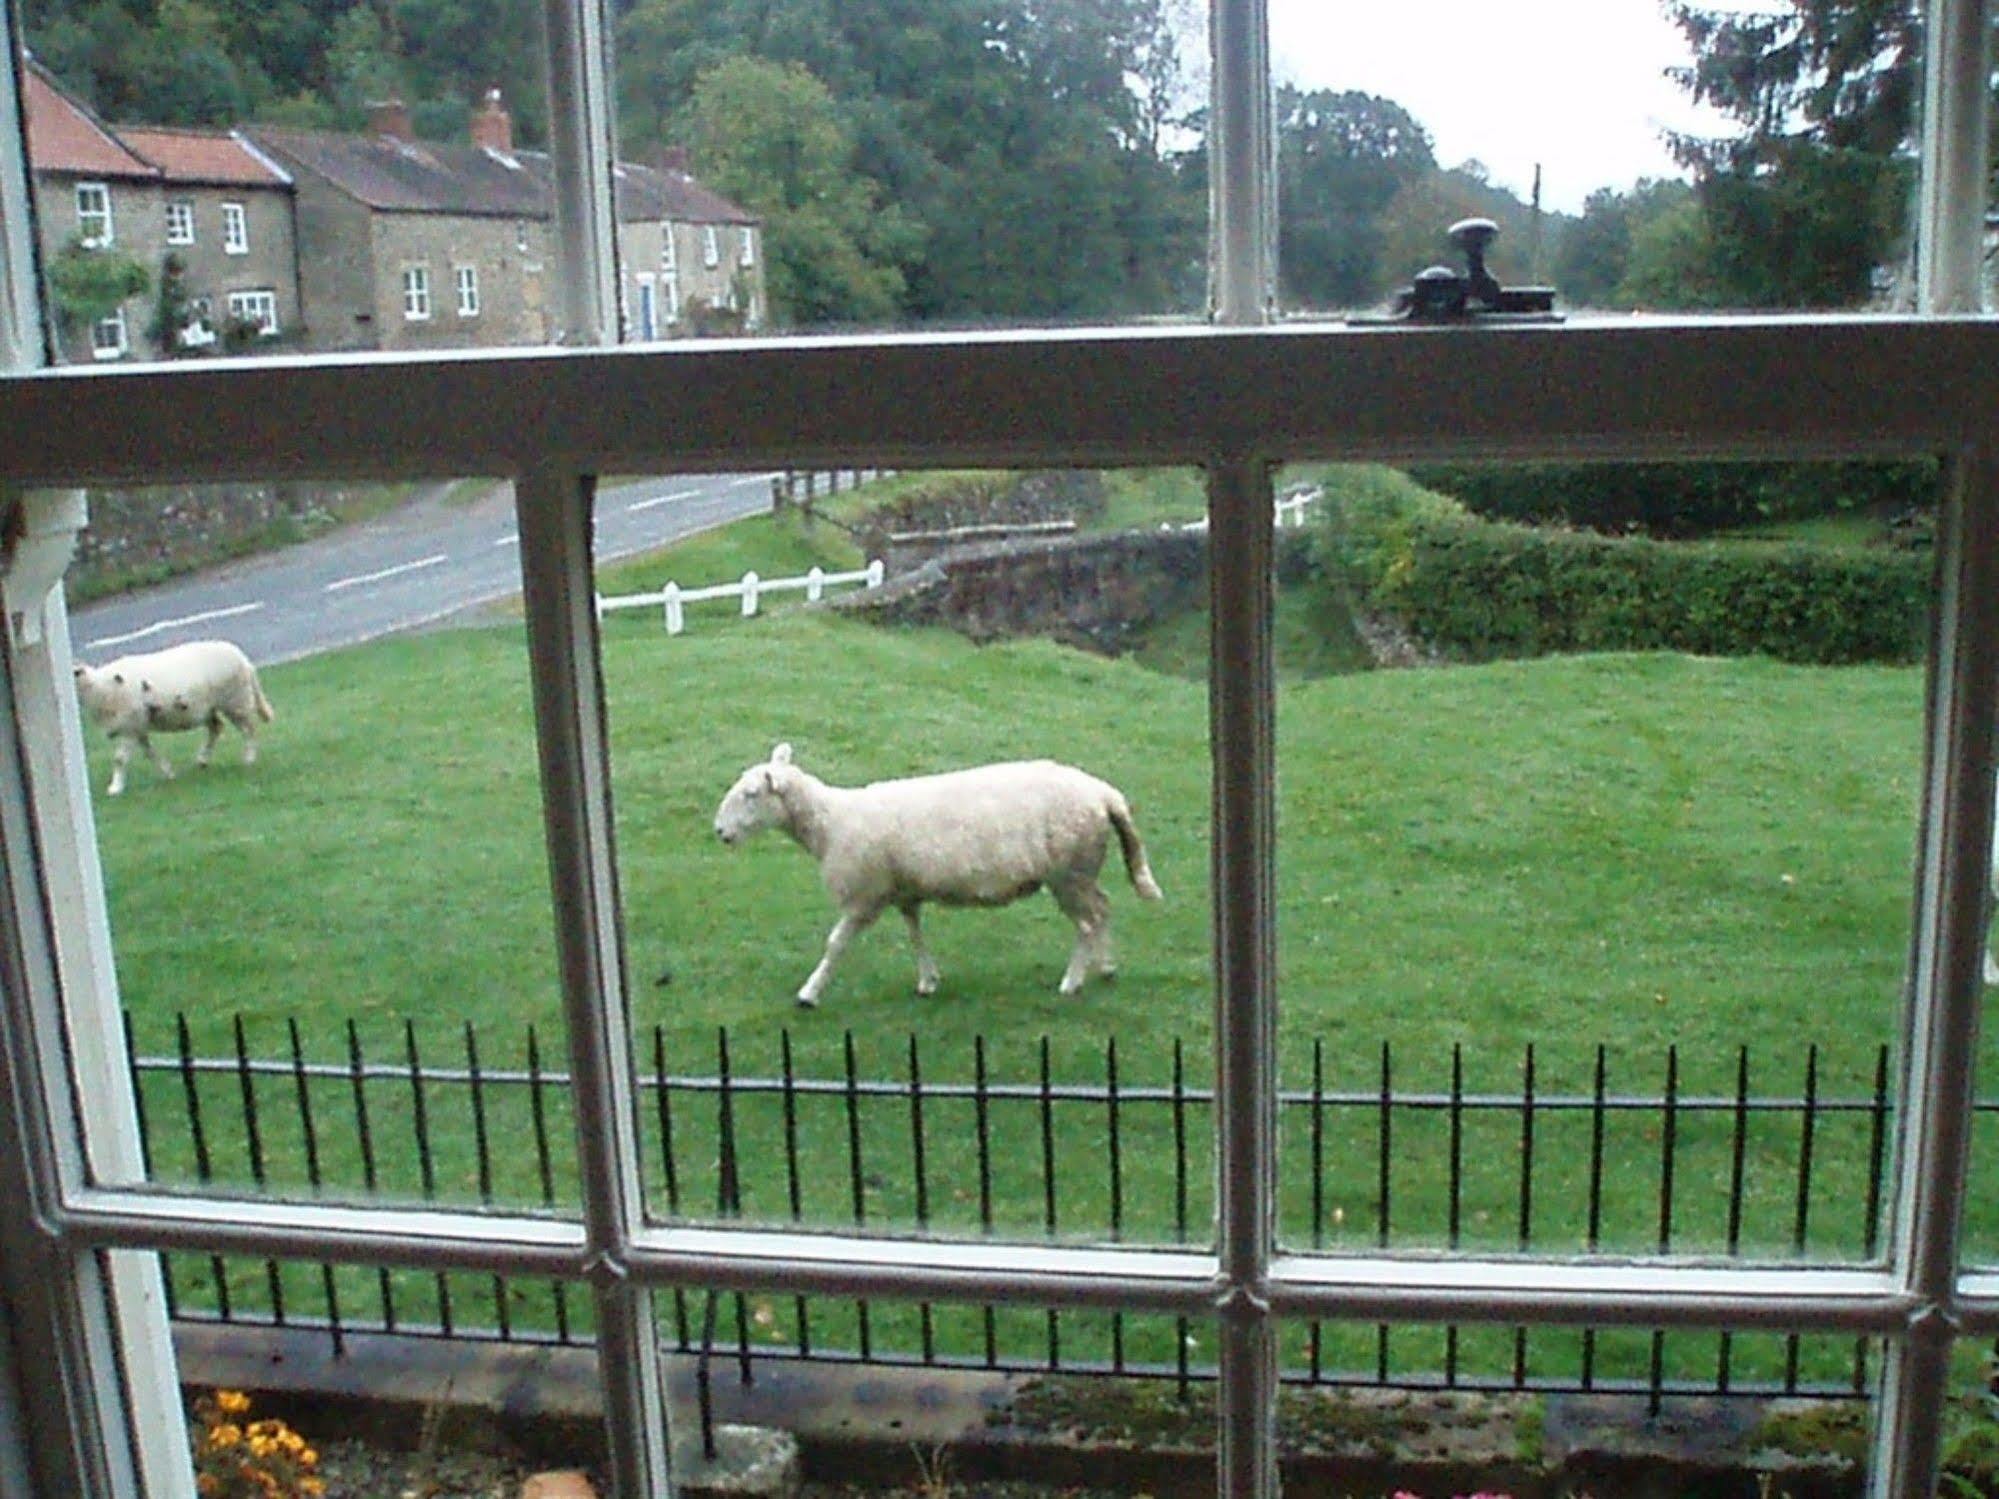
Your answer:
<point x="196" y="685"/>
<point x="979" y="837"/>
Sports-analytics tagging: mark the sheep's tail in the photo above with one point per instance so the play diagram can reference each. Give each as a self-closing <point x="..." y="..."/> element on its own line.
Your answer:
<point x="1134" y="848"/>
<point x="264" y="709"/>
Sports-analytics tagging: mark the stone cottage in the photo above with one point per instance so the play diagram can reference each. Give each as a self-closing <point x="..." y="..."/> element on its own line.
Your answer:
<point x="410" y="244"/>
<point x="227" y="229"/>
<point x="113" y="202"/>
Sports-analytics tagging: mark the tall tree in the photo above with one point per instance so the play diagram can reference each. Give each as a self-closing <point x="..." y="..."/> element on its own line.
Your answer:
<point x="1808" y="199"/>
<point x="770" y="136"/>
<point x="1341" y="160"/>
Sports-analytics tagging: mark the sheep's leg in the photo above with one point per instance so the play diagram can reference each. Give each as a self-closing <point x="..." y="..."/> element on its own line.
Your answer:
<point x="153" y="753"/>
<point x="926" y="966"/>
<point x="121" y="755"/>
<point x="246" y="725"/>
<point x="844" y="931"/>
<point x="1100" y="930"/>
<point x="208" y="745"/>
<point x="1075" y="902"/>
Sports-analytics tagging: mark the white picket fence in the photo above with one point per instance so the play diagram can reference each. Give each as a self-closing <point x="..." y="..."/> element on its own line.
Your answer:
<point x="1288" y="510"/>
<point x="673" y="600"/>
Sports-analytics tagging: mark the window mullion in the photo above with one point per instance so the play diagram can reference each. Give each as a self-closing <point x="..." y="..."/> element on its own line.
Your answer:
<point x="1938" y="1085"/>
<point x="1950" y="227"/>
<point x="555" y="525"/>
<point x="1241" y="706"/>
<point x="581" y="144"/>
<point x="1242" y="206"/>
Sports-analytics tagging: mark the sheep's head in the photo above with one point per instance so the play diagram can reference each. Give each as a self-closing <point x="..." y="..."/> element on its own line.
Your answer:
<point x="98" y="688"/>
<point x="756" y="801"/>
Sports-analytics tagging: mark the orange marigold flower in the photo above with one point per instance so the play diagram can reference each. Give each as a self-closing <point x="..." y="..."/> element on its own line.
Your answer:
<point x="228" y="1434"/>
<point x="309" y="1458"/>
<point x="232" y="1402"/>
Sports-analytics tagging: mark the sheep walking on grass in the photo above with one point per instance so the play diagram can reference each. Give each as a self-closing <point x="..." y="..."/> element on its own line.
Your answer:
<point x="979" y="837"/>
<point x="197" y="685"/>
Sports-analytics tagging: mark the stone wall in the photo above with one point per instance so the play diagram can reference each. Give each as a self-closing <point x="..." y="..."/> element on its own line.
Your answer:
<point x="141" y="534"/>
<point x="956" y="500"/>
<point x="1095" y="592"/>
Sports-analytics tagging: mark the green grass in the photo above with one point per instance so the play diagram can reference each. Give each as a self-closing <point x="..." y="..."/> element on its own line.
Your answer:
<point x="1633" y="852"/>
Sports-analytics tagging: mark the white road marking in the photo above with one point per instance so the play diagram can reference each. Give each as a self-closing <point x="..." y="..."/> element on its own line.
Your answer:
<point x="753" y="479"/>
<point x="660" y="499"/>
<point x="174" y="624"/>
<point x="508" y="540"/>
<point x="387" y="572"/>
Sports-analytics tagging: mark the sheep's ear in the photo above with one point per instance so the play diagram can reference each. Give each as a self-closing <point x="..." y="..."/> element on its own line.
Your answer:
<point x="781" y="755"/>
<point x="118" y="677"/>
<point x="78" y="670"/>
<point x="770" y="781"/>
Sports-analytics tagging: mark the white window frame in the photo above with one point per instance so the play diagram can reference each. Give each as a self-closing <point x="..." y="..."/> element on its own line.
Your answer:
<point x="416" y="293"/>
<point x="259" y="306"/>
<point x="711" y="246"/>
<point x="180" y="221"/>
<point x="118" y="344"/>
<point x="1633" y="389"/>
<point x="94" y="225"/>
<point x="747" y="257"/>
<point x="235" y="229"/>
<point x="465" y="278"/>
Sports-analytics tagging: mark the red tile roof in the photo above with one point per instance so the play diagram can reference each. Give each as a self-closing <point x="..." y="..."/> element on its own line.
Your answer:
<point x="64" y="137"/>
<point x="217" y="157"/>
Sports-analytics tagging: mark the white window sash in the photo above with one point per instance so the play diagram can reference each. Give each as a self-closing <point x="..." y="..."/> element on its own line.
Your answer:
<point x="180" y="222"/>
<point x="235" y="229"/>
<point x="467" y="278"/>
<point x="94" y="225"/>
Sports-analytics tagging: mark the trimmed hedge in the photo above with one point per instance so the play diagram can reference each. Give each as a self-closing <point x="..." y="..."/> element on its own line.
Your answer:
<point x="1680" y="499"/>
<point x="1477" y="590"/>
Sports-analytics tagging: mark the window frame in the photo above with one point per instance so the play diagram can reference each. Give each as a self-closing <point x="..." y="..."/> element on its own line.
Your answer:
<point x="416" y="294"/>
<point x="101" y="214"/>
<point x="235" y="228"/>
<point x="466" y="279"/>
<point x="120" y="344"/>
<point x="265" y="303"/>
<point x="711" y="246"/>
<point x="180" y="221"/>
<point x="552" y="420"/>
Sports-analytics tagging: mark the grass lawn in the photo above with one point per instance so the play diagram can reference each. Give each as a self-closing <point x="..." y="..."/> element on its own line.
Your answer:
<point x="1633" y="853"/>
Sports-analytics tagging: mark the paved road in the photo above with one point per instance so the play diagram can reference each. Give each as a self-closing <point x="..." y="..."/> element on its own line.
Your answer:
<point x="430" y="559"/>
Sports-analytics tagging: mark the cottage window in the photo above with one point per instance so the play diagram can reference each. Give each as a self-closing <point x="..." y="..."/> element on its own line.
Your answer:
<point x="93" y="214"/>
<point x="551" y="422"/>
<point x="180" y="221"/>
<point x="416" y="293"/>
<point x="235" y="229"/>
<point x="749" y="251"/>
<point x="669" y="257"/>
<point x="108" y="338"/>
<point x="521" y="236"/>
<point x="258" y="307"/>
<point x="711" y="246"/>
<point x="467" y="277"/>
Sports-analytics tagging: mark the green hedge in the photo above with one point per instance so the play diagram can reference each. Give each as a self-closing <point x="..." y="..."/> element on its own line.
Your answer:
<point x="1477" y="589"/>
<point x="1680" y="499"/>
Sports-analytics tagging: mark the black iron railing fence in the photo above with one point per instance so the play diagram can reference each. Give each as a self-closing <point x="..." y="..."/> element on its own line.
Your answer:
<point x="1017" y="1151"/>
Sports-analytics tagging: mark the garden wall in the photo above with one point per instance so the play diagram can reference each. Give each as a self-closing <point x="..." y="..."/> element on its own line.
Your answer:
<point x="141" y="535"/>
<point x="1095" y="592"/>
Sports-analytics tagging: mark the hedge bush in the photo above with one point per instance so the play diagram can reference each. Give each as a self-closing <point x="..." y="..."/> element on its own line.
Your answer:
<point x="1680" y="499"/>
<point x="1476" y="589"/>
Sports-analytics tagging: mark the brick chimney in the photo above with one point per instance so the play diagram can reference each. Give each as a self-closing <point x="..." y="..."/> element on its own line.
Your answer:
<point x="389" y="117"/>
<point x="492" y="126"/>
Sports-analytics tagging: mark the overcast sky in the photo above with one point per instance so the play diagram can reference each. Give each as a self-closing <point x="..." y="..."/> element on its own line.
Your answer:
<point x="1576" y="85"/>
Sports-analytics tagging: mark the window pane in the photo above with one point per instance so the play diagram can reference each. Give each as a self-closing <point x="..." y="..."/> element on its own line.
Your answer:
<point x="1017" y="617"/>
<point x="987" y="164"/>
<point x="1594" y="877"/>
<point x="1746" y="156"/>
<point x="314" y="160"/>
<point x="337" y="960"/>
<point x="1435" y="1410"/>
